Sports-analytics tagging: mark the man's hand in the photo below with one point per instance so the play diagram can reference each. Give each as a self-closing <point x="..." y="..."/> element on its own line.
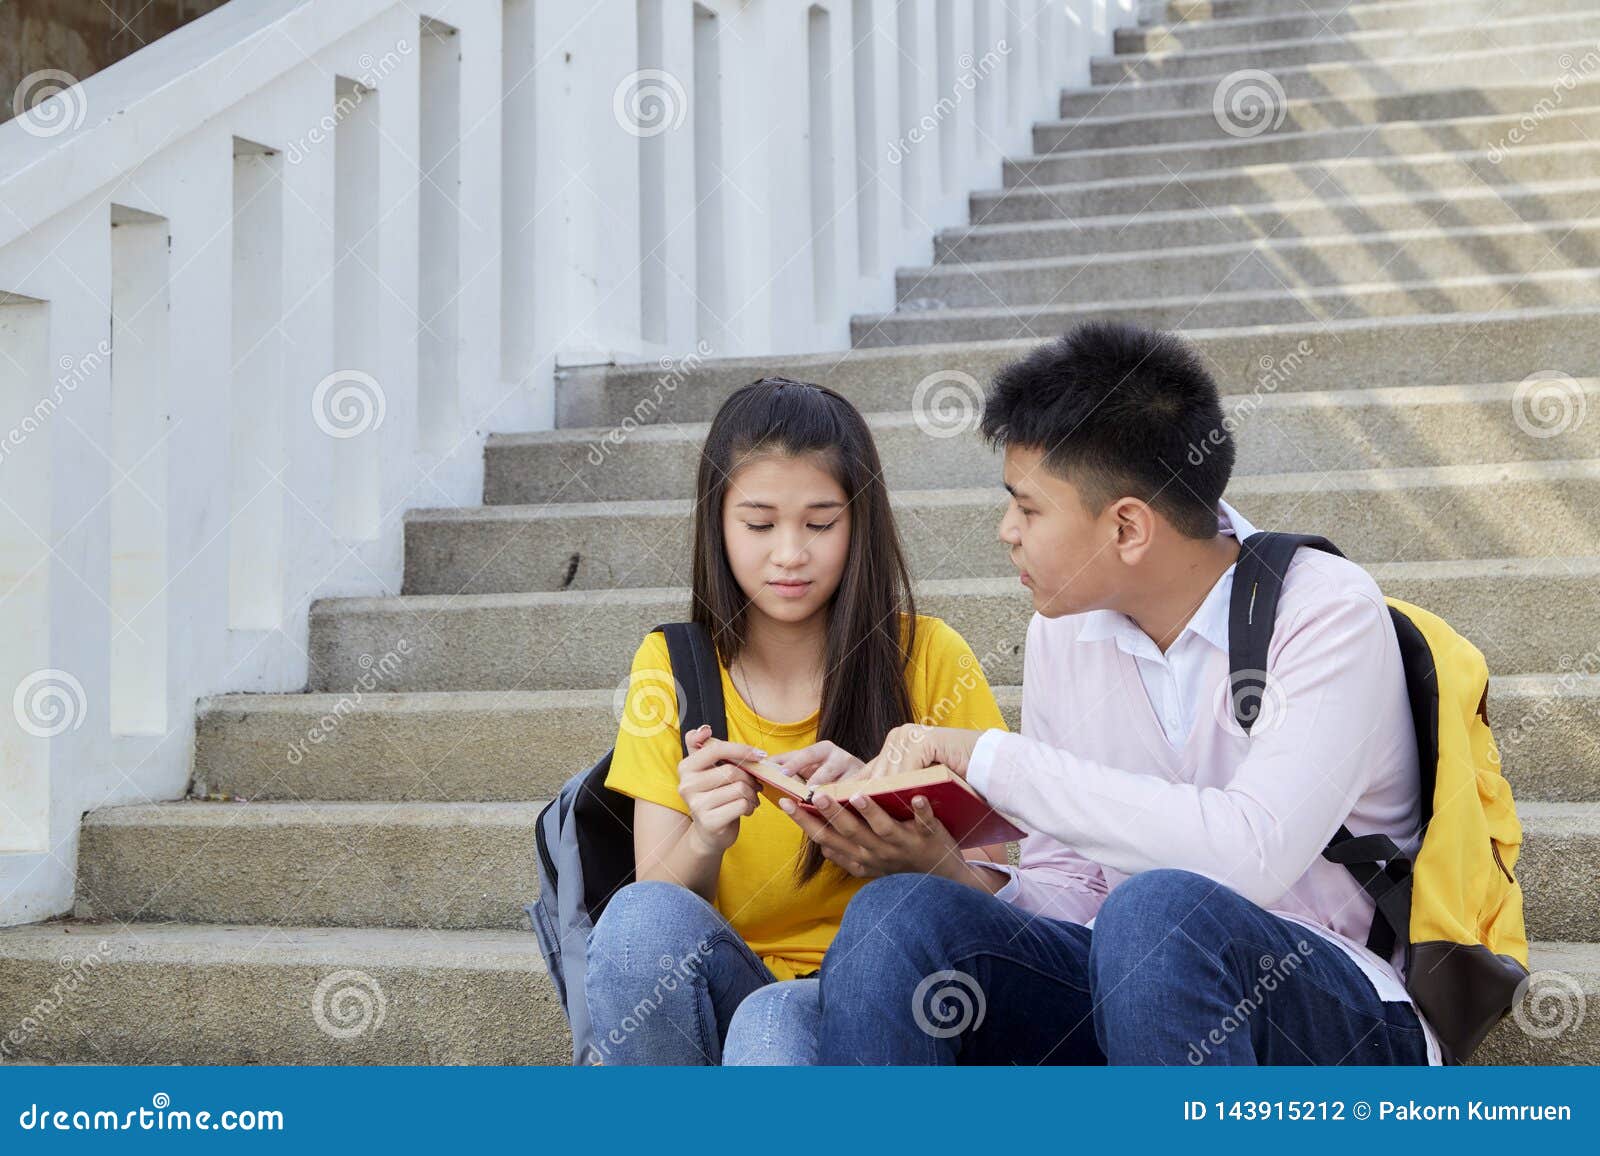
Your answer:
<point x="912" y="747"/>
<point x="868" y="841"/>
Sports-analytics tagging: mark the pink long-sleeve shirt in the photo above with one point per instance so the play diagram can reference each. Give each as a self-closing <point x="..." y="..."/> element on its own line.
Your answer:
<point x="1107" y="785"/>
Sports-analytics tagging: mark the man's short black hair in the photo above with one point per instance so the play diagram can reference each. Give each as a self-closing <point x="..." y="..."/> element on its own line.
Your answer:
<point x="1119" y="411"/>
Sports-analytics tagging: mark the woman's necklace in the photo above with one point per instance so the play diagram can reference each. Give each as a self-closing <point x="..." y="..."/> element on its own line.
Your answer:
<point x="750" y="699"/>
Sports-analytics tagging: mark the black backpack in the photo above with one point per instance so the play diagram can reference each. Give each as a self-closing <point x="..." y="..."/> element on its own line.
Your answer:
<point x="585" y="837"/>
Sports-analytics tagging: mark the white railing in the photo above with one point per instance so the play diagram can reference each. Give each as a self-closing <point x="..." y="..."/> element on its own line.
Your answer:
<point x="265" y="285"/>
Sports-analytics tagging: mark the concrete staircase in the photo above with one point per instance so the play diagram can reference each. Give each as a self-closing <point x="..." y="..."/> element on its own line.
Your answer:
<point x="1397" y="284"/>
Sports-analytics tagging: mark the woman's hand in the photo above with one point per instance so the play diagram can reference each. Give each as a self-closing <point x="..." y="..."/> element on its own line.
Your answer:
<point x="819" y="763"/>
<point x="868" y="841"/>
<point x="718" y="795"/>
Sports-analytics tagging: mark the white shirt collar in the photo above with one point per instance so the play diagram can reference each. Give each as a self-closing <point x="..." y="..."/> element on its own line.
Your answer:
<point x="1210" y="621"/>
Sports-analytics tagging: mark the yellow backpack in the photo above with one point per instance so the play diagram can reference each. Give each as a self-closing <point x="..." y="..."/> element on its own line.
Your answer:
<point x="1455" y="904"/>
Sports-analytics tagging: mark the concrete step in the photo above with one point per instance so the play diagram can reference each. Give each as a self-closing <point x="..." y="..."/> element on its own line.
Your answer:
<point x="1330" y="216"/>
<point x="1200" y="11"/>
<point x="1286" y="305"/>
<point x="1519" y="611"/>
<point x="1319" y="47"/>
<point x="1262" y="186"/>
<point x="250" y="995"/>
<point x="1559" y="869"/>
<point x="1411" y="514"/>
<point x="1298" y="23"/>
<point x="1197" y="124"/>
<point x="1354" y="354"/>
<point x="1549" y="1025"/>
<point x="442" y="747"/>
<point x="1547" y="727"/>
<point x="1494" y="133"/>
<point x="1265" y="264"/>
<point x="1545" y="63"/>
<point x="1274" y="433"/>
<point x="1200" y="124"/>
<point x="175" y="993"/>
<point x="461" y="745"/>
<point x="291" y="864"/>
<point x="322" y="864"/>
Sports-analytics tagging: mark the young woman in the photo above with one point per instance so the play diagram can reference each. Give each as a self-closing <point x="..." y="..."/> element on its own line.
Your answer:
<point x="800" y="581"/>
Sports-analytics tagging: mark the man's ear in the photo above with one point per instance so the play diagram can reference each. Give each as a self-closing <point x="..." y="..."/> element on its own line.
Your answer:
<point x="1134" y="523"/>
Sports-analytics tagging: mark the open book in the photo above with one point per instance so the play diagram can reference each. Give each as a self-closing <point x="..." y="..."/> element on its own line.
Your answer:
<point x="964" y="813"/>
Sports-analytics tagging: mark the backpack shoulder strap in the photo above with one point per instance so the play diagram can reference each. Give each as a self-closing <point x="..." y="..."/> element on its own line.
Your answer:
<point x="694" y="667"/>
<point x="1257" y="583"/>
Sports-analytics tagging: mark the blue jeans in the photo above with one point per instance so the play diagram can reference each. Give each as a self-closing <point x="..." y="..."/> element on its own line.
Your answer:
<point x="1178" y="969"/>
<point x="666" y="975"/>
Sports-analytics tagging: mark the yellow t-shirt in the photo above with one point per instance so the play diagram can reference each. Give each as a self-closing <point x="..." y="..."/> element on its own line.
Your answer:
<point x="788" y="926"/>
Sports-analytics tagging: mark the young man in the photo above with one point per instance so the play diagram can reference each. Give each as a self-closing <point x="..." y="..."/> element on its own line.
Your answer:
<point x="1171" y="905"/>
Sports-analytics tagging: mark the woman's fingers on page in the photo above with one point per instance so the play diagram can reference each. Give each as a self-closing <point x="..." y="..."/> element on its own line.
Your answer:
<point x="870" y="769"/>
<point x="822" y="762"/>
<point x="804" y="762"/>
<point x="840" y="766"/>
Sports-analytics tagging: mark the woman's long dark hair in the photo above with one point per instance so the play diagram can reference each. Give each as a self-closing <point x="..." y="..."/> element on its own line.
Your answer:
<point x="864" y="691"/>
